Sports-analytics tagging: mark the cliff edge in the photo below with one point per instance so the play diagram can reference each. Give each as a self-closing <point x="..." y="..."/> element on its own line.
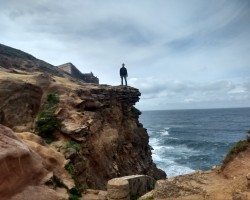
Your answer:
<point x="100" y="137"/>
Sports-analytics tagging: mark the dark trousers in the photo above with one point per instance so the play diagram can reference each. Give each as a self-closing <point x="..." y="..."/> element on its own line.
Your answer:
<point x="125" y="78"/>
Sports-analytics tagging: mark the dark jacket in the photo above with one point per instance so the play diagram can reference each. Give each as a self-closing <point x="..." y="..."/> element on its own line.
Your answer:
<point x="123" y="72"/>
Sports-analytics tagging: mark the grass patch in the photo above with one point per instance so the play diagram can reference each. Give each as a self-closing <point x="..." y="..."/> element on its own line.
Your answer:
<point x="236" y="149"/>
<point x="73" y="145"/>
<point x="70" y="168"/>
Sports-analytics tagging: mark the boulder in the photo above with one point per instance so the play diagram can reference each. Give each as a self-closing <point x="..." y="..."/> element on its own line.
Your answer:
<point x="19" y="165"/>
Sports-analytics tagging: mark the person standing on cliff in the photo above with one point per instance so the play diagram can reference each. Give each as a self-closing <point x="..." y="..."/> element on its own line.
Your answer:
<point x="123" y="74"/>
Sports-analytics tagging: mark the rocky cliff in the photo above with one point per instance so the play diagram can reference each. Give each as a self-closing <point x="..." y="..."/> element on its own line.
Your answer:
<point x="14" y="59"/>
<point x="101" y="120"/>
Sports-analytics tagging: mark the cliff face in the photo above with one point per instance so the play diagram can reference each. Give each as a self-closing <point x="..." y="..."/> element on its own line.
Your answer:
<point x="101" y="119"/>
<point x="113" y="141"/>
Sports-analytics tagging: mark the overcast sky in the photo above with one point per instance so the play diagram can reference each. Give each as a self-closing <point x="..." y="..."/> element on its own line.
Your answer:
<point x="178" y="53"/>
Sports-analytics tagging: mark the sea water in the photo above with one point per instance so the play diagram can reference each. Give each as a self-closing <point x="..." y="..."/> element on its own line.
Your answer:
<point x="188" y="140"/>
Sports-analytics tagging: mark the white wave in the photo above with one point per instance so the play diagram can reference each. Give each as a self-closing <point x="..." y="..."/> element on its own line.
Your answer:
<point x="173" y="138"/>
<point x="165" y="156"/>
<point x="154" y="142"/>
<point x="165" y="131"/>
<point x="170" y="166"/>
<point x="183" y="149"/>
<point x="175" y="170"/>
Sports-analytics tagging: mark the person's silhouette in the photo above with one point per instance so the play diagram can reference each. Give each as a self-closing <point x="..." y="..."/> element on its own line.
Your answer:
<point x="123" y="74"/>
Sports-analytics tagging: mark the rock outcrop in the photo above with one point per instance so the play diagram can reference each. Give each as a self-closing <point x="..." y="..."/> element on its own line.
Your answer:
<point x="101" y="119"/>
<point x="19" y="165"/>
<point x="26" y="163"/>
<point x="113" y="142"/>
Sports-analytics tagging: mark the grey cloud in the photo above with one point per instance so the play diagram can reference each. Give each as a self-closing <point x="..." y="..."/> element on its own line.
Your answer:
<point x="182" y="91"/>
<point x="194" y="95"/>
<point x="195" y="42"/>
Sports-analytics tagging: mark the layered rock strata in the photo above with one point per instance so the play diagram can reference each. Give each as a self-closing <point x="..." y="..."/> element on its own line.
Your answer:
<point x="101" y="119"/>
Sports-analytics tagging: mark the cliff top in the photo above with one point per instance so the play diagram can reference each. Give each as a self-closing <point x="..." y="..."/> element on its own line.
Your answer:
<point x="14" y="59"/>
<point x="15" y="53"/>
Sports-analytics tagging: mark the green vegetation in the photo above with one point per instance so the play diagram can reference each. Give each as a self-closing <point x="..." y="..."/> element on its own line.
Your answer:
<point x="53" y="98"/>
<point x="236" y="149"/>
<point x="47" y="122"/>
<point x="73" y="145"/>
<point x="74" y="193"/>
<point x="50" y="139"/>
<point x="248" y="131"/>
<point x="70" y="168"/>
<point x="55" y="182"/>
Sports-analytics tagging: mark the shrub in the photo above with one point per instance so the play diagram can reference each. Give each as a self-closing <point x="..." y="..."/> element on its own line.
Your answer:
<point x="73" y="145"/>
<point x="50" y="139"/>
<point x="53" y="98"/>
<point x="75" y="191"/>
<point x="70" y="168"/>
<point x="236" y="149"/>
<point x="248" y="131"/>
<point x="47" y="122"/>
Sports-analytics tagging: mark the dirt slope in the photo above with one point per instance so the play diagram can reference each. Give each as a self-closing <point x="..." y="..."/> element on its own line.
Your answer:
<point x="229" y="184"/>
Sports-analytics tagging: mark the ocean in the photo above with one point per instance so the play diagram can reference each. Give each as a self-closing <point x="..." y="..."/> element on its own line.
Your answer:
<point x="188" y="140"/>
